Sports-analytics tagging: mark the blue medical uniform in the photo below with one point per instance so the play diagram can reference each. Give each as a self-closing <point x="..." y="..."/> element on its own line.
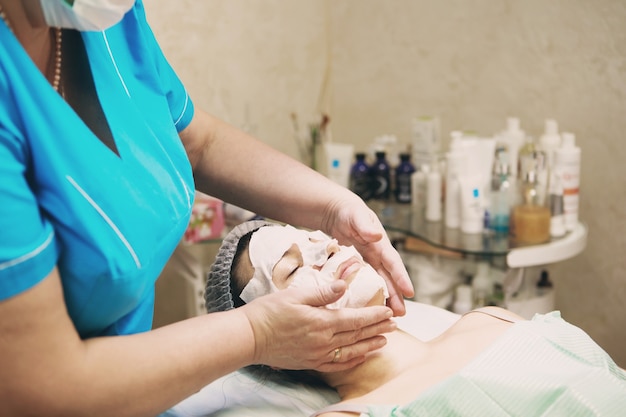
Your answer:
<point x="108" y="220"/>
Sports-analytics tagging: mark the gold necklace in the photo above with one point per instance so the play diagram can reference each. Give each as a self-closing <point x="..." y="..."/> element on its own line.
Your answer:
<point x="58" y="58"/>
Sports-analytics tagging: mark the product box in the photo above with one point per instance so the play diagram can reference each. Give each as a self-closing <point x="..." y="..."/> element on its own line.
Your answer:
<point x="207" y="220"/>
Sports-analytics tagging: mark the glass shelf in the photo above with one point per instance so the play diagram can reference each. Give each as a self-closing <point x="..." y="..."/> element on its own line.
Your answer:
<point x="404" y="219"/>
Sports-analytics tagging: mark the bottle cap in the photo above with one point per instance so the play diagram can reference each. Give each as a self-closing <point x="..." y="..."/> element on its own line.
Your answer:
<point x="544" y="280"/>
<point x="552" y="127"/>
<point x="512" y="124"/>
<point x="568" y="140"/>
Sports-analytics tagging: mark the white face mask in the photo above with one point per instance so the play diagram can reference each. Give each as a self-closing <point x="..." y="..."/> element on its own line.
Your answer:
<point x="269" y="244"/>
<point x="85" y="15"/>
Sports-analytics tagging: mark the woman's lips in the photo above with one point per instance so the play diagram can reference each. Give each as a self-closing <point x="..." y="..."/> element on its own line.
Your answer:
<point x="348" y="268"/>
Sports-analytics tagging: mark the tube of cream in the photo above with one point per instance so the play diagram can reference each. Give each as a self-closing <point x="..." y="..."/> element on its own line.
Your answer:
<point x="472" y="205"/>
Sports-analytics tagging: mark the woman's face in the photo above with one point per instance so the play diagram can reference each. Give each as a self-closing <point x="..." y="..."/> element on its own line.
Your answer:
<point x="282" y="256"/>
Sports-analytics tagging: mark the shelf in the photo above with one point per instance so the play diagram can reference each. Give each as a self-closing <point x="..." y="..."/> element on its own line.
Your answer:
<point x="557" y="250"/>
<point x="405" y="219"/>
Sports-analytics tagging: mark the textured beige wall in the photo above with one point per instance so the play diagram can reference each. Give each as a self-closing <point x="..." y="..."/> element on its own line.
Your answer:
<point x="473" y="63"/>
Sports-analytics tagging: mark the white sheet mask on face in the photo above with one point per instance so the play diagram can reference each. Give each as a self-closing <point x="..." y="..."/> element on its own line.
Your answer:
<point x="85" y="15"/>
<point x="269" y="244"/>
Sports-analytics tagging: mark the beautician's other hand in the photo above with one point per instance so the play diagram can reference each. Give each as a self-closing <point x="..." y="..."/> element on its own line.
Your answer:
<point x="351" y="222"/>
<point x="292" y="332"/>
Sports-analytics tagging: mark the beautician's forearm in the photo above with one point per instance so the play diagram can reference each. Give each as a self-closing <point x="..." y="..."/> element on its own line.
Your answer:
<point x="158" y="369"/>
<point x="233" y="166"/>
<point x="47" y="370"/>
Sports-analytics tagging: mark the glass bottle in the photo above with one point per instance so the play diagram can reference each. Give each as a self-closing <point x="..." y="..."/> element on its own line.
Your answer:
<point x="380" y="174"/>
<point x="530" y="221"/>
<point x="360" y="177"/>
<point x="403" y="179"/>
<point x="501" y="198"/>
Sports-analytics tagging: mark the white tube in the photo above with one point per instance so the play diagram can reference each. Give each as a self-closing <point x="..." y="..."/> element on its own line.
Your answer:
<point x="338" y="161"/>
<point x="472" y="208"/>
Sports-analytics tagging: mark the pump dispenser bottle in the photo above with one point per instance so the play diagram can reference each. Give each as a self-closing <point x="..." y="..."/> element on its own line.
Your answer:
<point x="513" y="137"/>
<point x="550" y="141"/>
<point x="501" y="197"/>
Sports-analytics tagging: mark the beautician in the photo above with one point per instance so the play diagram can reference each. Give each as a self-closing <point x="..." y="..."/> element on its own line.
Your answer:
<point x="101" y="150"/>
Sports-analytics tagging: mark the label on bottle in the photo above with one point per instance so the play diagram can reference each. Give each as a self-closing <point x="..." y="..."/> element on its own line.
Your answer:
<point x="403" y="188"/>
<point x="360" y="185"/>
<point x="380" y="187"/>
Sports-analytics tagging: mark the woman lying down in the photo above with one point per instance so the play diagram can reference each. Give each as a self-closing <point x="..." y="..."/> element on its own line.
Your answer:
<point x="491" y="362"/>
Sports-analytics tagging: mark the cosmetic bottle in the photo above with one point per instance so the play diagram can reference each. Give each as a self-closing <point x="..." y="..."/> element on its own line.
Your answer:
<point x="555" y="201"/>
<point x="482" y="285"/>
<point x="550" y="141"/>
<point x="530" y="220"/>
<point x="360" y="177"/>
<point x="544" y="293"/>
<point x="463" y="299"/>
<point x="403" y="179"/>
<point x="532" y="159"/>
<point x="501" y="198"/>
<point x="433" y="193"/>
<point x="452" y="201"/>
<point x="567" y="163"/>
<point x="380" y="177"/>
<point x="418" y="189"/>
<point x="513" y="137"/>
<point x="425" y="139"/>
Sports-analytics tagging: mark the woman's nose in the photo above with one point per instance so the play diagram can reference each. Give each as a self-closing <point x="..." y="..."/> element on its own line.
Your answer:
<point x="332" y="248"/>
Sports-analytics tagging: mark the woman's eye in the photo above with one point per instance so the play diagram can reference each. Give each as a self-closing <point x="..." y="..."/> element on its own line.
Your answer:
<point x="330" y="255"/>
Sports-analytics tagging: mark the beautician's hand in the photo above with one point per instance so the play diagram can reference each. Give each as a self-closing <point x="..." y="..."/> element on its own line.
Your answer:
<point x="292" y="332"/>
<point x="351" y="222"/>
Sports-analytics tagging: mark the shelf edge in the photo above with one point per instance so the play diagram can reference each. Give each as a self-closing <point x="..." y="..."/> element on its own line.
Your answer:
<point x="562" y="249"/>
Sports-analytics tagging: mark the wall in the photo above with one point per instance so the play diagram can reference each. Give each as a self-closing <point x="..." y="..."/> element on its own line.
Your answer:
<point x="473" y="63"/>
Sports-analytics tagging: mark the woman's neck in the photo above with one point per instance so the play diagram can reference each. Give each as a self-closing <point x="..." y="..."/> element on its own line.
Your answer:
<point x="401" y="352"/>
<point x="26" y="20"/>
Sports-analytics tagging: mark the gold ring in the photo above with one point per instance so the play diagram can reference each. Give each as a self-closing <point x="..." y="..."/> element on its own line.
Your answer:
<point x="337" y="356"/>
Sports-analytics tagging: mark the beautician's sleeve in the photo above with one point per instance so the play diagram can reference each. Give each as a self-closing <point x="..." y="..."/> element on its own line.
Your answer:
<point x="28" y="248"/>
<point x="181" y="106"/>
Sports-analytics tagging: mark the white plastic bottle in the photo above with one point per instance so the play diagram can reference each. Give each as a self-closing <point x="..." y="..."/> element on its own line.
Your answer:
<point x="482" y="284"/>
<point x="567" y="164"/>
<point x="418" y="189"/>
<point x="463" y="299"/>
<point x="550" y="141"/>
<point x="513" y="137"/>
<point x="452" y="209"/>
<point x="433" y="193"/>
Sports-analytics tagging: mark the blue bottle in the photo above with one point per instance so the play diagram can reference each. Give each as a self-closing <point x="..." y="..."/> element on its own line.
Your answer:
<point x="380" y="177"/>
<point x="403" y="179"/>
<point x="360" y="177"/>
